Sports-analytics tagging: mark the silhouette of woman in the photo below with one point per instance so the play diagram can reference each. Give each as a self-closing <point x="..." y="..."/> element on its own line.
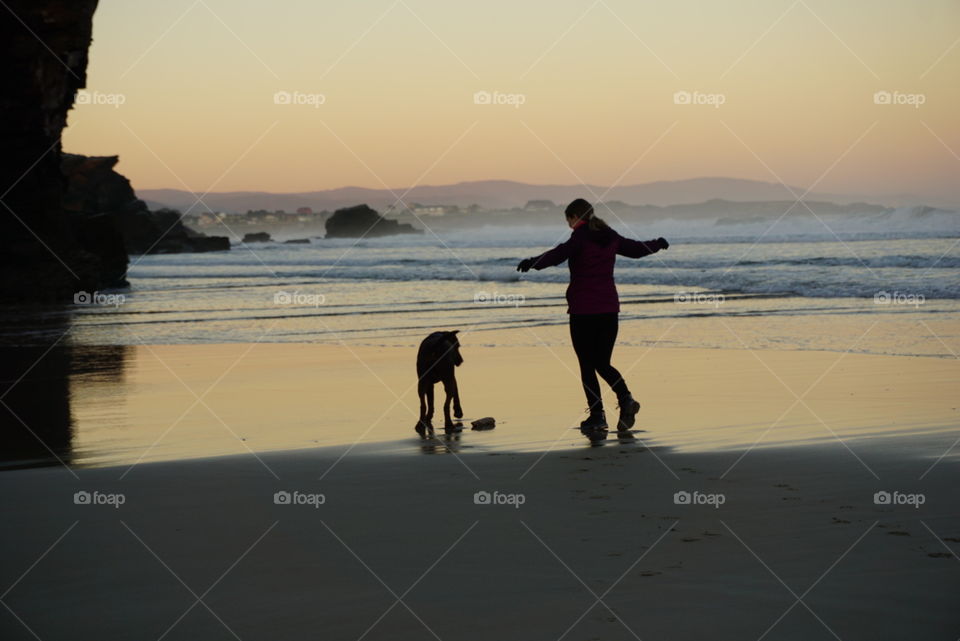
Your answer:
<point x="593" y="305"/>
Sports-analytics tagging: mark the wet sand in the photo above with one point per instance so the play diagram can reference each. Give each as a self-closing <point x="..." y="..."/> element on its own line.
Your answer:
<point x="170" y="402"/>
<point x="782" y="536"/>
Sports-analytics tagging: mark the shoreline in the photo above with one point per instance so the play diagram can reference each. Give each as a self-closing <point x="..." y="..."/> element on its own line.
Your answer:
<point x="787" y="322"/>
<point x="120" y="405"/>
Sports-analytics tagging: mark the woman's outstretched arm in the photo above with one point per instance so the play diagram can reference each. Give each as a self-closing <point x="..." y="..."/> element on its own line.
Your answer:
<point x="640" y="248"/>
<point x="555" y="256"/>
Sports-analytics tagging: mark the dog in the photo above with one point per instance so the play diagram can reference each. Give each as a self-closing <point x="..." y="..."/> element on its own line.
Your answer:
<point x="438" y="356"/>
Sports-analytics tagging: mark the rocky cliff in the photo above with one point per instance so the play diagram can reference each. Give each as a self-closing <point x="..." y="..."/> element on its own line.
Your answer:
<point x="67" y="222"/>
<point x="44" y="46"/>
<point x="94" y="189"/>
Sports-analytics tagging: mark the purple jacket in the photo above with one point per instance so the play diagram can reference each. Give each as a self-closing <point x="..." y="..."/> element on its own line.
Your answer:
<point x="591" y="255"/>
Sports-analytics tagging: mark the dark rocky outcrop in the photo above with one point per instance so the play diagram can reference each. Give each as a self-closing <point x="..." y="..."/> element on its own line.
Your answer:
<point x="67" y="223"/>
<point x="44" y="48"/>
<point x="297" y="241"/>
<point x="257" y="237"/>
<point x="98" y="234"/>
<point x="362" y="221"/>
<point x="94" y="189"/>
<point x="167" y="234"/>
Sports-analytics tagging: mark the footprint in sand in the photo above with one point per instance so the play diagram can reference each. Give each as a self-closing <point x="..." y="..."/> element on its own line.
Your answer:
<point x="939" y="555"/>
<point x="690" y="539"/>
<point x="650" y="573"/>
<point x="836" y="520"/>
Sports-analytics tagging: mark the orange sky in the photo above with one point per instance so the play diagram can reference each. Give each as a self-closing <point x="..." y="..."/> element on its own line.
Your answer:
<point x="596" y="78"/>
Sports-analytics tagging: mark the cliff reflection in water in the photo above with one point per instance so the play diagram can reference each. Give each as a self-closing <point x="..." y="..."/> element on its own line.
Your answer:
<point x="37" y="383"/>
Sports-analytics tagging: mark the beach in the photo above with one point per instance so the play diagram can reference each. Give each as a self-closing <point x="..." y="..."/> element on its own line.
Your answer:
<point x="781" y="533"/>
<point x="239" y="240"/>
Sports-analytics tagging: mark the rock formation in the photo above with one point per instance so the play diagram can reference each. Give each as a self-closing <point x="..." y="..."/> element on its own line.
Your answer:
<point x="95" y="189"/>
<point x="59" y="233"/>
<point x="362" y="221"/>
<point x="44" y="47"/>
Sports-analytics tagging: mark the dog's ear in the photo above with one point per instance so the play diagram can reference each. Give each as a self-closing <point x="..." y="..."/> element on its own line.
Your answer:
<point x="454" y="332"/>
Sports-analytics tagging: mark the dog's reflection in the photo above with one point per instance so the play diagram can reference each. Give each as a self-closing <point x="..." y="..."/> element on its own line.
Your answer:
<point x="445" y="443"/>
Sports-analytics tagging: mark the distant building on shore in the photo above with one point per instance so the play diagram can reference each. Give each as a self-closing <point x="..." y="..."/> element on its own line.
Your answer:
<point x="433" y="210"/>
<point x="418" y="209"/>
<point x="539" y="205"/>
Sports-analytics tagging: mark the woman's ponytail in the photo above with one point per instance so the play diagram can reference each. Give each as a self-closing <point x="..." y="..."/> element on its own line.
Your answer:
<point x="596" y="224"/>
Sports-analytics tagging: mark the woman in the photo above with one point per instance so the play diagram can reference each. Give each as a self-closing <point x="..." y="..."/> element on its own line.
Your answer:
<point x="593" y="305"/>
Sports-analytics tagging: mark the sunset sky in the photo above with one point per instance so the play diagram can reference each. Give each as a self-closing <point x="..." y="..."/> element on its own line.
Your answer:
<point x="596" y="78"/>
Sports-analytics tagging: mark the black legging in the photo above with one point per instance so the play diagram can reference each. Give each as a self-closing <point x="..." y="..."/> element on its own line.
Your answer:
<point x="593" y="337"/>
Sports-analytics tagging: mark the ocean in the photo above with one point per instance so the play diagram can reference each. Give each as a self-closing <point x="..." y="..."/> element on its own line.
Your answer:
<point x="392" y="290"/>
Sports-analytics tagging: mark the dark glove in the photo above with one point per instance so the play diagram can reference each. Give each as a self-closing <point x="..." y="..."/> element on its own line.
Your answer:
<point x="662" y="243"/>
<point x="525" y="265"/>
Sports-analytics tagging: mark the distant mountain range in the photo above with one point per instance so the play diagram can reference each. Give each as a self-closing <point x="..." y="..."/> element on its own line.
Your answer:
<point x="505" y="194"/>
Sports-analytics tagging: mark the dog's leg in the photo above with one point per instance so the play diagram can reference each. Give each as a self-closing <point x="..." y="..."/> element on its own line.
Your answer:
<point x="448" y="388"/>
<point x="457" y="409"/>
<point x="430" y="406"/>
<point x="422" y="395"/>
<point x="421" y="426"/>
